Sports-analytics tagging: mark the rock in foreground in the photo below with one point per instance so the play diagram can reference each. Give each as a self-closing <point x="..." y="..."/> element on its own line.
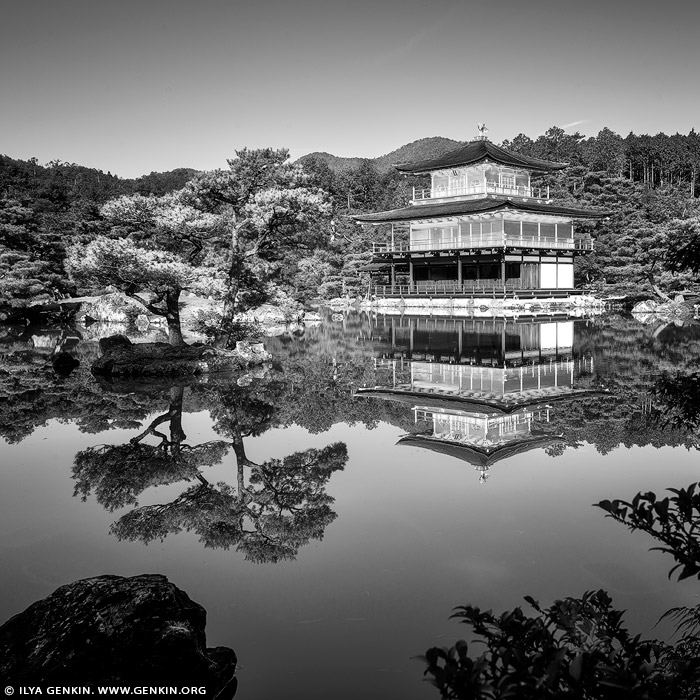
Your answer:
<point x="107" y="630"/>
<point x="122" y="358"/>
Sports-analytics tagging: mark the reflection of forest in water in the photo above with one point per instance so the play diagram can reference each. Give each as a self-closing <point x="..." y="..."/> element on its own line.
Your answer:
<point x="491" y="388"/>
<point x="315" y="374"/>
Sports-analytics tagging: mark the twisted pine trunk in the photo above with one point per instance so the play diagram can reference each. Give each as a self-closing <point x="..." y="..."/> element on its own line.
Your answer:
<point x="172" y="316"/>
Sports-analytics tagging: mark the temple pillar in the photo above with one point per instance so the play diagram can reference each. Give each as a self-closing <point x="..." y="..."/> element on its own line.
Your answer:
<point x="459" y="271"/>
<point x="410" y="275"/>
<point x="503" y="271"/>
<point x="393" y="272"/>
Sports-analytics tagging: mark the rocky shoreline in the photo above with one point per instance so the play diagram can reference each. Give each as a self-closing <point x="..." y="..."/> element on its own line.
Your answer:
<point x="575" y="304"/>
<point x="141" y="630"/>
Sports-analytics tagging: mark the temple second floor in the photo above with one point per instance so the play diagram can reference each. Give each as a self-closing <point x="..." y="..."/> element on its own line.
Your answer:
<point x="484" y="223"/>
<point x="498" y="230"/>
<point x="503" y="387"/>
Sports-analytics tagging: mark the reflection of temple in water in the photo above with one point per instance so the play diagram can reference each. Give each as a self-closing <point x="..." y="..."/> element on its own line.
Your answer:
<point x="481" y="390"/>
<point x="474" y="341"/>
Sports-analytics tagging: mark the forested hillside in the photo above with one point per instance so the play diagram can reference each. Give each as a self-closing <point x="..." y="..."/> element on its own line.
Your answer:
<point x="45" y="208"/>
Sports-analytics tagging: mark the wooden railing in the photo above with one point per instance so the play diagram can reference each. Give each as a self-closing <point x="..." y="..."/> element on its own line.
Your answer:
<point x="490" y="187"/>
<point x="493" y="289"/>
<point x="447" y="287"/>
<point x="489" y="240"/>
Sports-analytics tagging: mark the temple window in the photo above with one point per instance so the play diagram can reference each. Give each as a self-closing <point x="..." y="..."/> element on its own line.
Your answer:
<point x="507" y="180"/>
<point x="512" y="228"/>
<point x="440" y="185"/>
<point x="547" y="231"/>
<point x="529" y="229"/>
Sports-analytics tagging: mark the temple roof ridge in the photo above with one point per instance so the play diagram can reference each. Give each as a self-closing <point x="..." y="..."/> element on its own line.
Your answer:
<point x="478" y="151"/>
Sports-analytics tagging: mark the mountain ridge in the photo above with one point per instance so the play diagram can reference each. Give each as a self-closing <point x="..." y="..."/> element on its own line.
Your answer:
<point x="421" y="149"/>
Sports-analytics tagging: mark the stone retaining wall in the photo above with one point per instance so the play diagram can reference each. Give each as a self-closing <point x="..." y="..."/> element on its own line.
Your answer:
<point x="485" y="307"/>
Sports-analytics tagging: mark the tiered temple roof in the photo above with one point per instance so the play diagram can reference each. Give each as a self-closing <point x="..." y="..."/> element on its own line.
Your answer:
<point x="477" y="152"/>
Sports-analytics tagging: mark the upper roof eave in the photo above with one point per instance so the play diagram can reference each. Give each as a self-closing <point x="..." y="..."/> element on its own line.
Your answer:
<point x="476" y="152"/>
<point x="478" y="456"/>
<point x="473" y="206"/>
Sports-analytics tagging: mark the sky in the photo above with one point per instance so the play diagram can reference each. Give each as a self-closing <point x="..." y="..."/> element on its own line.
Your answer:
<point x="135" y="87"/>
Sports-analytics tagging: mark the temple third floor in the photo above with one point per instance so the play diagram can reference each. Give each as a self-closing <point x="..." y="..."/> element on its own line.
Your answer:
<point x="478" y="181"/>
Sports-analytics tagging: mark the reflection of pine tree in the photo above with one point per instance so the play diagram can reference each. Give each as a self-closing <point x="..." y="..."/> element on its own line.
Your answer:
<point x="119" y="473"/>
<point x="284" y="507"/>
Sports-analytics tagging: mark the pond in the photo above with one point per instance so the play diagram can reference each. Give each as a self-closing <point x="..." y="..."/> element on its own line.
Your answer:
<point x="331" y="509"/>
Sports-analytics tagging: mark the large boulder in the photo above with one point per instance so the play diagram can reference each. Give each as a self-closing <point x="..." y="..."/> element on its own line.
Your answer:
<point x="118" y="340"/>
<point x="64" y="363"/>
<point x="114" y="308"/>
<point x="111" y="630"/>
<point x="670" y="310"/>
<point x="674" y="310"/>
<point x="648" y="306"/>
<point x="271" y="314"/>
<point x="164" y="360"/>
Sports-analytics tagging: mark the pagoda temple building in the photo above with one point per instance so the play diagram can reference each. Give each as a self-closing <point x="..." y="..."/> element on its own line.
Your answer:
<point x="481" y="230"/>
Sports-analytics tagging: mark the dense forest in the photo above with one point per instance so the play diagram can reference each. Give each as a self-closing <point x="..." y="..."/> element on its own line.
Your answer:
<point x="649" y="184"/>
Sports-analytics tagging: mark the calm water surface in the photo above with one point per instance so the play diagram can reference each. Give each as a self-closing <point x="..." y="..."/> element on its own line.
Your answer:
<point x="329" y="511"/>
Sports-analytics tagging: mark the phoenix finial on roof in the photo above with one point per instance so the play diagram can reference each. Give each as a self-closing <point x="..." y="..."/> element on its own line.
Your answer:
<point x="481" y="126"/>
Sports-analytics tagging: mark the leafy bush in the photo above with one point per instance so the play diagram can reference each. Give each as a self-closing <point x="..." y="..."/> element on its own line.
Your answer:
<point x="576" y="648"/>
<point x="674" y="521"/>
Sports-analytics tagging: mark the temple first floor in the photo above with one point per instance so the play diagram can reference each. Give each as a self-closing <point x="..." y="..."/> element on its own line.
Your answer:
<point x="455" y="274"/>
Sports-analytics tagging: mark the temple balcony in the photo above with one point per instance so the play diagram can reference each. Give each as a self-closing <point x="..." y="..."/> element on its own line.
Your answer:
<point x="481" y="289"/>
<point x="488" y="240"/>
<point x="473" y="191"/>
